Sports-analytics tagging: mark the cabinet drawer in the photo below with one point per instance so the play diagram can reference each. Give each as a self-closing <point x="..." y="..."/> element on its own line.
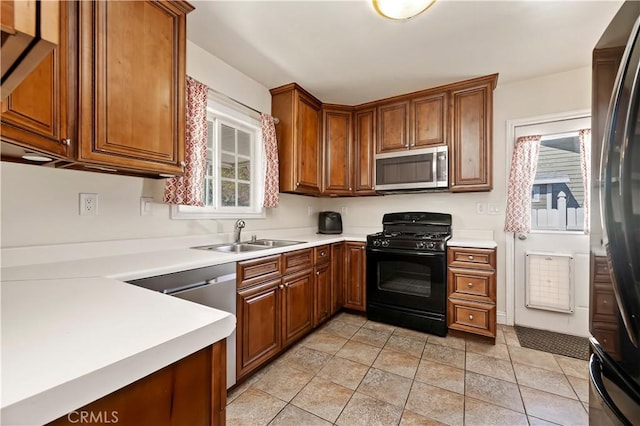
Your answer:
<point x="322" y="254"/>
<point x="258" y="270"/>
<point x="607" y="336"/>
<point x="298" y="260"/>
<point x="472" y="258"/>
<point x="477" y="318"/>
<point x="472" y="284"/>
<point x="601" y="270"/>
<point x="604" y="305"/>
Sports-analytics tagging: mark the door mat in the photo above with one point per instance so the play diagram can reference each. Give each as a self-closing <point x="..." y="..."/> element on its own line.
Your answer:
<point x="555" y="343"/>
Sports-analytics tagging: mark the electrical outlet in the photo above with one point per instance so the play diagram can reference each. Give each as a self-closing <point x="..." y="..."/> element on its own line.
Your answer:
<point x="145" y="206"/>
<point x="481" y="208"/>
<point x="493" y="208"/>
<point x="309" y="210"/>
<point x="344" y="211"/>
<point x="88" y="204"/>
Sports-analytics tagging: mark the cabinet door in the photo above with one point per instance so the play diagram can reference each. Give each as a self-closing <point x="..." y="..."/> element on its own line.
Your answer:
<point x="297" y="306"/>
<point x="322" y="296"/>
<point x="355" y="276"/>
<point x="308" y="145"/>
<point x="132" y="85"/>
<point x="258" y="328"/>
<point x="471" y="158"/>
<point x="363" y="163"/>
<point x="337" y="276"/>
<point x="35" y="114"/>
<point x="393" y="125"/>
<point x="429" y="120"/>
<point x="337" y="151"/>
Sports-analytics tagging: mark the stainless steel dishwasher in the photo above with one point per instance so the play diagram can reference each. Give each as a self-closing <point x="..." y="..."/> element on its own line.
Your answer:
<point x="213" y="286"/>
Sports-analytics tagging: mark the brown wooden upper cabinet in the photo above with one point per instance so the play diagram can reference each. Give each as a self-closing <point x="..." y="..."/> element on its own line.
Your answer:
<point x="35" y="116"/>
<point x="364" y="142"/>
<point x="338" y="149"/>
<point x="299" y="139"/>
<point x="429" y="120"/>
<point x="112" y="96"/>
<point x="132" y="83"/>
<point x="470" y="147"/>
<point x="393" y="126"/>
<point x="348" y="141"/>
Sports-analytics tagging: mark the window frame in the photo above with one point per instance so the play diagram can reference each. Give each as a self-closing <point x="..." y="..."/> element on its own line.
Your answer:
<point x="221" y="112"/>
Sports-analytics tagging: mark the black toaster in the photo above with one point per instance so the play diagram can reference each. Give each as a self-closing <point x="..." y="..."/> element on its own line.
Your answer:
<point x="329" y="223"/>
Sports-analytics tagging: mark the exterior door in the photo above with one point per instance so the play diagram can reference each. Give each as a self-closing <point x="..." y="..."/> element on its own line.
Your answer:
<point x="551" y="264"/>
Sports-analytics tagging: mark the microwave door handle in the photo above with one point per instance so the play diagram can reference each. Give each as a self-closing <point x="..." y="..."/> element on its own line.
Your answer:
<point x="434" y="167"/>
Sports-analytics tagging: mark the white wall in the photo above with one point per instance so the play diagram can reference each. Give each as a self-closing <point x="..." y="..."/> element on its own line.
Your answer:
<point x="40" y="205"/>
<point x="567" y="91"/>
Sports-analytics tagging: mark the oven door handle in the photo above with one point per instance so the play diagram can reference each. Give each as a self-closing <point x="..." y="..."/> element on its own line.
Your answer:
<point x="409" y="252"/>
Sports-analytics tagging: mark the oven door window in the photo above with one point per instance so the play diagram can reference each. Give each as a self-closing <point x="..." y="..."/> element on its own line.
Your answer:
<point x="404" y="278"/>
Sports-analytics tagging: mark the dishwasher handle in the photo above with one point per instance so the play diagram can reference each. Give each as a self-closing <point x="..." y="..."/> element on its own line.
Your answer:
<point x="213" y="281"/>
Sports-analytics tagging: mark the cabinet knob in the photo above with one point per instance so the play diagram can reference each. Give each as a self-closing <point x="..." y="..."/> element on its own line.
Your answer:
<point x="323" y="253"/>
<point x="318" y="273"/>
<point x="66" y="142"/>
<point x="280" y="286"/>
<point x="297" y="183"/>
<point x="350" y="189"/>
<point x="470" y="257"/>
<point x="604" y="340"/>
<point x="604" y="302"/>
<point x="470" y="285"/>
<point x="471" y="317"/>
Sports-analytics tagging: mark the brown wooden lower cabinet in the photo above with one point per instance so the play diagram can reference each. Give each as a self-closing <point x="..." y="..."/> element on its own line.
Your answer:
<point x="259" y="325"/>
<point x="471" y="282"/>
<point x="337" y="276"/>
<point x="354" y="293"/>
<point x="323" y="302"/>
<point x="297" y="306"/>
<point x="191" y="391"/>
<point x="604" y="307"/>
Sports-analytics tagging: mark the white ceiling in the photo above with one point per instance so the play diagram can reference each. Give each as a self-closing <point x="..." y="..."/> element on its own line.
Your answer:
<point x="343" y="52"/>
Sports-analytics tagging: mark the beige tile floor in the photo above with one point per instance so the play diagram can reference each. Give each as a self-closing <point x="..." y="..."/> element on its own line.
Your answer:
<point x="356" y="372"/>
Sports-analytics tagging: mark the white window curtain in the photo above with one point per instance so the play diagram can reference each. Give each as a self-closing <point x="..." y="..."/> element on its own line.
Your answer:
<point x="188" y="190"/>
<point x="521" y="176"/>
<point x="585" y="165"/>
<point x="272" y="176"/>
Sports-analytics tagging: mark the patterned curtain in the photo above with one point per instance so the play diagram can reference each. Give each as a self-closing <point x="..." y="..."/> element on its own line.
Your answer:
<point x="188" y="189"/>
<point x="585" y="165"/>
<point x="272" y="174"/>
<point x="521" y="176"/>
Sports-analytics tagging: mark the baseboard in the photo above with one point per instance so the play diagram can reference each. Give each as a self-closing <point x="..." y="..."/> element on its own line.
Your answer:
<point x="501" y="318"/>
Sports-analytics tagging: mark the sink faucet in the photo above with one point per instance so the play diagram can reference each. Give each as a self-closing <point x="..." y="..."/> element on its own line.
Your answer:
<point x="237" y="229"/>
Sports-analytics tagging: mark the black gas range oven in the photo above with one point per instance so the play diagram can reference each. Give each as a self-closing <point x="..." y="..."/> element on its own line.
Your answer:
<point x="407" y="271"/>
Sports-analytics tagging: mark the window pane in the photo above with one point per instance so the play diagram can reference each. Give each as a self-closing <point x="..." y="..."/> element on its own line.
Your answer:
<point x="228" y="194"/>
<point x="210" y="133"/>
<point x="244" y="194"/>
<point x="244" y="170"/>
<point x="557" y="196"/>
<point x="208" y="192"/>
<point x="228" y="166"/>
<point x="228" y="138"/>
<point x="244" y="143"/>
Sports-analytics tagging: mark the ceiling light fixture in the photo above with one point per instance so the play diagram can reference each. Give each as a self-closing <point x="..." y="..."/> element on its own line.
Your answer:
<point x="401" y="10"/>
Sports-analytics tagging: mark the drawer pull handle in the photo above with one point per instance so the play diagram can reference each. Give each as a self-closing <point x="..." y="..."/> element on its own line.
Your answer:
<point x="470" y="257"/>
<point x="323" y="253"/>
<point x="471" y="317"/>
<point x="470" y="285"/>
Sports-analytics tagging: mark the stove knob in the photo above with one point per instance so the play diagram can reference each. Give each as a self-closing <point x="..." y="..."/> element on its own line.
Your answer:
<point x="385" y="243"/>
<point x="420" y="244"/>
<point x="376" y="243"/>
<point x="431" y="245"/>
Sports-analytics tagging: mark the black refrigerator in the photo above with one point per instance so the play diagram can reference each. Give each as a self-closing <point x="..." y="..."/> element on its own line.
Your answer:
<point x="614" y="365"/>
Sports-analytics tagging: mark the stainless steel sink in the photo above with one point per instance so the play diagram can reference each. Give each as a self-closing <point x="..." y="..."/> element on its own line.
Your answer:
<point x="248" y="246"/>
<point x="273" y="243"/>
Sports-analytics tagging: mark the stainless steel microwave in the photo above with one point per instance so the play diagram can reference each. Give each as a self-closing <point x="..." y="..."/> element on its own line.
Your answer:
<point x="413" y="169"/>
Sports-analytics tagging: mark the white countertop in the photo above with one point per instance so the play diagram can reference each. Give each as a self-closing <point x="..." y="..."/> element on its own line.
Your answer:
<point x="73" y="332"/>
<point x="472" y="243"/>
